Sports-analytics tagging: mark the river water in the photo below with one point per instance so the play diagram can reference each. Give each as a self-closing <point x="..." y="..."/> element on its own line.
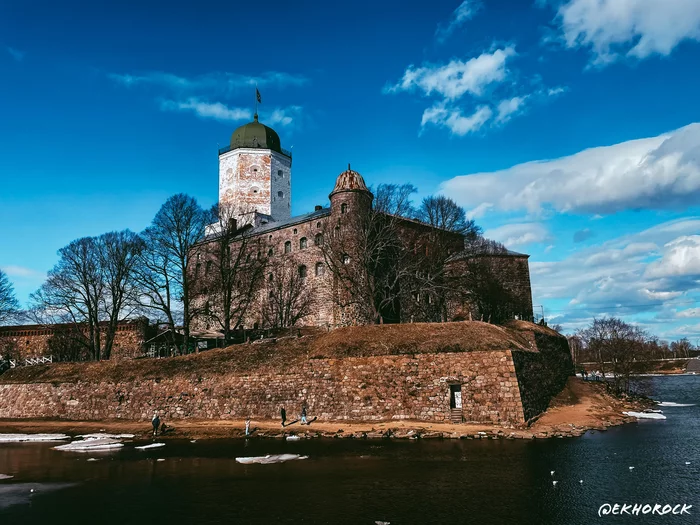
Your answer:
<point x="362" y="482"/>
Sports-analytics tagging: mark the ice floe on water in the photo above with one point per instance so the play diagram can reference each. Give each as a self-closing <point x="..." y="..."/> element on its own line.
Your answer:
<point x="90" y="445"/>
<point x="5" y="476"/>
<point x="672" y="404"/>
<point x="102" y="435"/>
<point x="293" y="438"/>
<point x="18" y="438"/>
<point x="269" y="459"/>
<point x="645" y="415"/>
<point x="152" y="445"/>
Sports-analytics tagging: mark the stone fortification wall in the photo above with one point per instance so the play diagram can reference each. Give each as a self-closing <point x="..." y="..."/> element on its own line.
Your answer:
<point x="339" y="384"/>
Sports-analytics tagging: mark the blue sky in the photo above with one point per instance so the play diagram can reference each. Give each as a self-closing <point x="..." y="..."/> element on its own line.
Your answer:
<point x="531" y="114"/>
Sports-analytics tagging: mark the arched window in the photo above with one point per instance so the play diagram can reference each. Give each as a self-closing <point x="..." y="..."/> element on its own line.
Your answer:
<point x="302" y="243"/>
<point x="302" y="271"/>
<point x="287" y="246"/>
<point x="320" y="269"/>
<point x="271" y="295"/>
<point x="280" y="194"/>
<point x="343" y="208"/>
<point x="270" y="277"/>
<point x="208" y="267"/>
<point x="280" y="173"/>
<point x="295" y="231"/>
<point x="318" y="225"/>
<point x="346" y="259"/>
<point x="270" y="252"/>
<point x="318" y="240"/>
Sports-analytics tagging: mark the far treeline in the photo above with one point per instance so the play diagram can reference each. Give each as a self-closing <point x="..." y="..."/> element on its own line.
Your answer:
<point x="100" y="281"/>
<point x="622" y="350"/>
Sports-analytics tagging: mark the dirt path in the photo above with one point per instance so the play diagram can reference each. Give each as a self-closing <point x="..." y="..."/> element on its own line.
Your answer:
<point x="579" y="407"/>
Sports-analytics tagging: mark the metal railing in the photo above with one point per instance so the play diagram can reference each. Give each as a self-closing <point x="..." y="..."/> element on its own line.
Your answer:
<point x="31" y="361"/>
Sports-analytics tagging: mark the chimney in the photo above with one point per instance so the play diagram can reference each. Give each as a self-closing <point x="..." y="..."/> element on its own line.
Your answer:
<point x="318" y="207"/>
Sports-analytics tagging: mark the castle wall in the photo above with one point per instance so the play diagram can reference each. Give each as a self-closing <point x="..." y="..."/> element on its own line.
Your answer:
<point x="29" y="341"/>
<point x="281" y="182"/>
<point x="507" y="376"/>
<point x="244" y="180"/>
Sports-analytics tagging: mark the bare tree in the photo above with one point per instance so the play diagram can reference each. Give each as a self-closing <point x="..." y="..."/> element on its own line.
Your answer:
<point x="72" y="293"/>
<point x="369" y="258"/>
<point x="290" y="297"/>
<point x="119" y="253"/>
<point x="91" y="287"/>
<point x="443" y="213"/>
<point x="681" y="348"/>
<point x="619" y="347"/>
<point x="177" y="228"/>
<point x="234" y="265"/>
<point x="9" y="306"/>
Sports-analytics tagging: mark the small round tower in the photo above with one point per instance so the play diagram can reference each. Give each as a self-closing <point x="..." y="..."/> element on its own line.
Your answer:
<point x="350" y="195"/>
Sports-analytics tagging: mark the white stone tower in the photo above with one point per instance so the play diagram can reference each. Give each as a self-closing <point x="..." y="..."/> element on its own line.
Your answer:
<point x="255" y="173"/>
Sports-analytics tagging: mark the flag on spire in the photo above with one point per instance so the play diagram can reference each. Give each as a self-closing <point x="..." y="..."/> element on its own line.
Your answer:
<point x="257" y="96"/>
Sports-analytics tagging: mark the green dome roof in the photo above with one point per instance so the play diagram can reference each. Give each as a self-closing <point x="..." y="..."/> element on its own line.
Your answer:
<point x="256" y="135"/>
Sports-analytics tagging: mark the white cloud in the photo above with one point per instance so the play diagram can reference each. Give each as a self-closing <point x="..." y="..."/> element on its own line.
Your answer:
<point x="681" y="257"/>
<point x="20" y="271"/>
<point x="284" y="116"/>
<point x="656" y="173"/>
<point x="479" y="211"/>
<point x="688" y="313"/>
<point x="634" y="28"/>
<point x="553" y="92"/>
<point x="507" y="108"/>
<point x="613" y="278"/>
<point x="519" y="234"/>
<point x="15" y="53"/>
<point x="465" y="11"/>
<point x="454" y="120"/>
<point x="214" y="110"/>
<point x="457" y="78"/>
<point x="211" y="82"/>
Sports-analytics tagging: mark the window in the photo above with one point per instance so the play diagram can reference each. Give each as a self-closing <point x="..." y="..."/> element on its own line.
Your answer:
<point x="318" y="225"/>
<point x="271" y="295"/>
<point x="280" y="194"/>
<point x="302" y="243"/>
<point x="287" y="247"/>
<point x="320" y="269"/>
<point x="280" y="173"/>
<point x="254" y="189"/>
<point x="270" y="252"/>
<point x="346" y="259"/>
<point x="269" y="237"/>
<point x="208" y="267"/>
<point x="318" y="240"/>
<point x="295" y="231"/>
<point x="270" y="277"/>
<point x="302" y="271"/>
<point x="197" y="269"/>
<point x="343" y="208"/>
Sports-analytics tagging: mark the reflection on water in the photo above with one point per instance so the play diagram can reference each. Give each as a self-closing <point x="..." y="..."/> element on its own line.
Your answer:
<point x="345" y="481"/>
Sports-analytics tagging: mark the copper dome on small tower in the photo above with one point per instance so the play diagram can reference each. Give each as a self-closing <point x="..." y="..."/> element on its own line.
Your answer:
<point x="349" y="180"/>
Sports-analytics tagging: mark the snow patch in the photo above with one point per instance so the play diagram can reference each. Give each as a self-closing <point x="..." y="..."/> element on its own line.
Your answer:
<point x="645" y="415"/>
<point x="5" y="476"/>
<point x="269" y="459"/>
<point x="90" y="445"/>
<point x="17" y="438"/>
<point x="102" y="435"/>
<point x="293" y="438"/>
<point x="152" y="445"/>
<point x="672" y="404"/>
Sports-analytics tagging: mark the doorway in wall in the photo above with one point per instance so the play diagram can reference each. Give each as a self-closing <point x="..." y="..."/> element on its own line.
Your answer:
<point x="456" y="403"/>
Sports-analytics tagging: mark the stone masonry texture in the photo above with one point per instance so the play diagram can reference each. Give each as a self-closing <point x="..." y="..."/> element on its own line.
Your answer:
<point x="509" y="386"/>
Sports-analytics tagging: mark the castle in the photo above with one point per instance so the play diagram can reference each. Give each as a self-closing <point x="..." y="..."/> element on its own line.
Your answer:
<point x="255" y="181"/>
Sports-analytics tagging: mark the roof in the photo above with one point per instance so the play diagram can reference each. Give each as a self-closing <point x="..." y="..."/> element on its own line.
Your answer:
<point x="349" y="180"/>
<point x="256" y="135"/>
<point x="276" y="225"/>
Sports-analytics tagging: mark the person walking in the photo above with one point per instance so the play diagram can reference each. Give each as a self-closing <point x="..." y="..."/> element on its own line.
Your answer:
<point x="155" y="422"/>
<point x="283" y="415"/>
<point x="303" y="415"/>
